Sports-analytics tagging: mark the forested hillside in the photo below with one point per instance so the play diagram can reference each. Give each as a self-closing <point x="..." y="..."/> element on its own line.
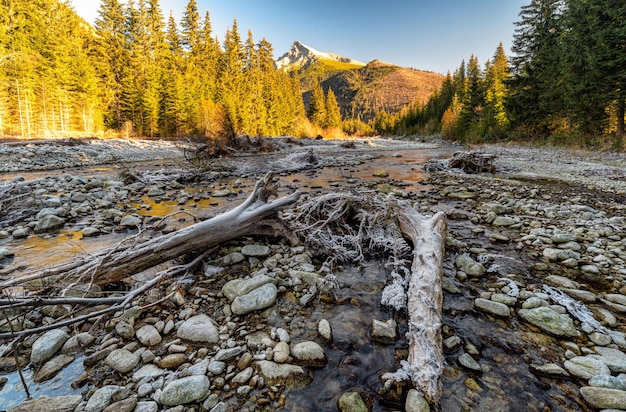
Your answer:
<point x="136" y="74"/>
<point x="564" y="84"/>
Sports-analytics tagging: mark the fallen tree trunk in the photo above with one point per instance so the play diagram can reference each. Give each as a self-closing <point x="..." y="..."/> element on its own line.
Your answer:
<point x="425" y="298"/>
<point x="114" y="265"/>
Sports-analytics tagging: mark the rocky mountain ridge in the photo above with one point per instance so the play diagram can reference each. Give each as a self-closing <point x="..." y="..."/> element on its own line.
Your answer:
<point x="362" y="90"/>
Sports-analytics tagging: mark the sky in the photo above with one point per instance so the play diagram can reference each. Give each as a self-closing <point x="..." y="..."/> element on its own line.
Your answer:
<point x="427" y="35"/>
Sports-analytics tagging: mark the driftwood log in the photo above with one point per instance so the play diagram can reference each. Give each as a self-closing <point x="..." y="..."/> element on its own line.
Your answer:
<point x="425" y="298"/>
<point x="253" y="216"/>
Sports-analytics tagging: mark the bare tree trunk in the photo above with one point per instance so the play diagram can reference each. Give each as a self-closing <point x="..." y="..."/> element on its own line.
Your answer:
<point x="114" y="265"/>
<point x="425" y="298"/>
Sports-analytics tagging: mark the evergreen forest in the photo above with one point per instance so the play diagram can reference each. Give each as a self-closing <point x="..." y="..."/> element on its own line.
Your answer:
<point x="139" y="73"/>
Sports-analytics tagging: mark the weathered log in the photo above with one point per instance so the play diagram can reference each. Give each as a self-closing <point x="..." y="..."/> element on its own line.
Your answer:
<point x="113" y="265"/>
<point x="425" y="298"/>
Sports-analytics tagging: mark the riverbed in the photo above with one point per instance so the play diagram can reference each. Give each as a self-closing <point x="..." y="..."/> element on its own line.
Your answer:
<point x="545" y="217"/>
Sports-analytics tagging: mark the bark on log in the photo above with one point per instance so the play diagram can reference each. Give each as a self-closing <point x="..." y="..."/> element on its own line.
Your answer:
<point x="113" y="265"/>
<point x="425" y="298"/>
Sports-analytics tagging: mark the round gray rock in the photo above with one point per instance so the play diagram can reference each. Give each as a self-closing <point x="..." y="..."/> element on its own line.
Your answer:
<point x="199" y="329"/>
<point x="122" y="360"/>
<point x="148" y="335"/>
<point x="185" y="390"/>
<point x="47" y="345"/>
<point x="308" y="353"/>
<point x="260" y="298"/>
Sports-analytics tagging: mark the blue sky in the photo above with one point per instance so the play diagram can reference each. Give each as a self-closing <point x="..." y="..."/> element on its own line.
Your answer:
<point x="427" y="35"/>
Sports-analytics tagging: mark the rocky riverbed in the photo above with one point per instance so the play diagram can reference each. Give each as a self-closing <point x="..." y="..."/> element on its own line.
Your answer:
<point x="534" y="285"/>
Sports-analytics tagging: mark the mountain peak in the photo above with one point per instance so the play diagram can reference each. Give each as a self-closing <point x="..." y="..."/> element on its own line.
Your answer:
<point x="300" y="55"/>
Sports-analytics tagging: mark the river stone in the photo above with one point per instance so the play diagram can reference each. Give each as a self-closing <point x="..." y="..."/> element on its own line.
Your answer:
<point x="308" y="353"/>
<point x="243" y="376"/>
<point x="20" y="233"/>
<point x="563" y="237"/>
<point x="172" y="361"/>
<point x="469" y="266"/>
<point x="155" y="192"/>
<point x="78" y="342"/>
<point x="223" y="193"/>
<point x="229" y="353"/>
<point x="561" y="282"/>
<point x="550" y="321"/>
<point x="52" y="367"/>
<point x="325" y="331"/>
<point x="615" y="359"/>
<point x="45" y="404"/>
<point x="616" y="298"/>
<point x="149" y="370"/>
<point x="549" y="369"/>
<point x="384" y="332"/>
<point x="260" y="298"/>
<point x="504" y="298"/>
<point x="604" y="398"/>
<point x="238" y="287"/>
<point x="608" y="381"/>
<point x="277" y="373"/>
<point x="101" y="398"/>
<point x="468" y="362"/>
<point x="122" y="360"/>
<point x="503" y="221"/>
<point x="49" y="222"/>
<point x="130" y="221"/>
<point x="415" y="402"/>
<point x="124" y="405"/>
<point x="494" y="308"/>
<point x="586" y="367"/>
<point x="281" y="352"/>
<point x="5" y="252"/>
<point x="216" y="367"/>
<point x="199" y="329"/>
<point x="351" y="402"/>
<point x="90" y="231"/>
<point x="125" y="329"/>
<point x="534" y="302"/>
<point x="47" y="345"/>
<point x="189" y="389"/>
<point x="148" y="335"/>
<point x="256" y="250"/>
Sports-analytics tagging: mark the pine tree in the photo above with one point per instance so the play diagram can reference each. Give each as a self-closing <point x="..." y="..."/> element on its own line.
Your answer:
<point x="595" y="62"/>
<point x="469" y="123"/>
<point x="110" y="42"/>
<point x="317" y="107"/>
<point x="496" y="120"/>
<point x="537" y="89"/>
<point x="231" y="86"/>
<point x="333" y="113"/>
<point x="173" y="109"/>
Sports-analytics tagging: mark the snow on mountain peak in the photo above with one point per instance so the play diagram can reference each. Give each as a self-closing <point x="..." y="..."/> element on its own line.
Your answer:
<point x="300" y="55"/>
